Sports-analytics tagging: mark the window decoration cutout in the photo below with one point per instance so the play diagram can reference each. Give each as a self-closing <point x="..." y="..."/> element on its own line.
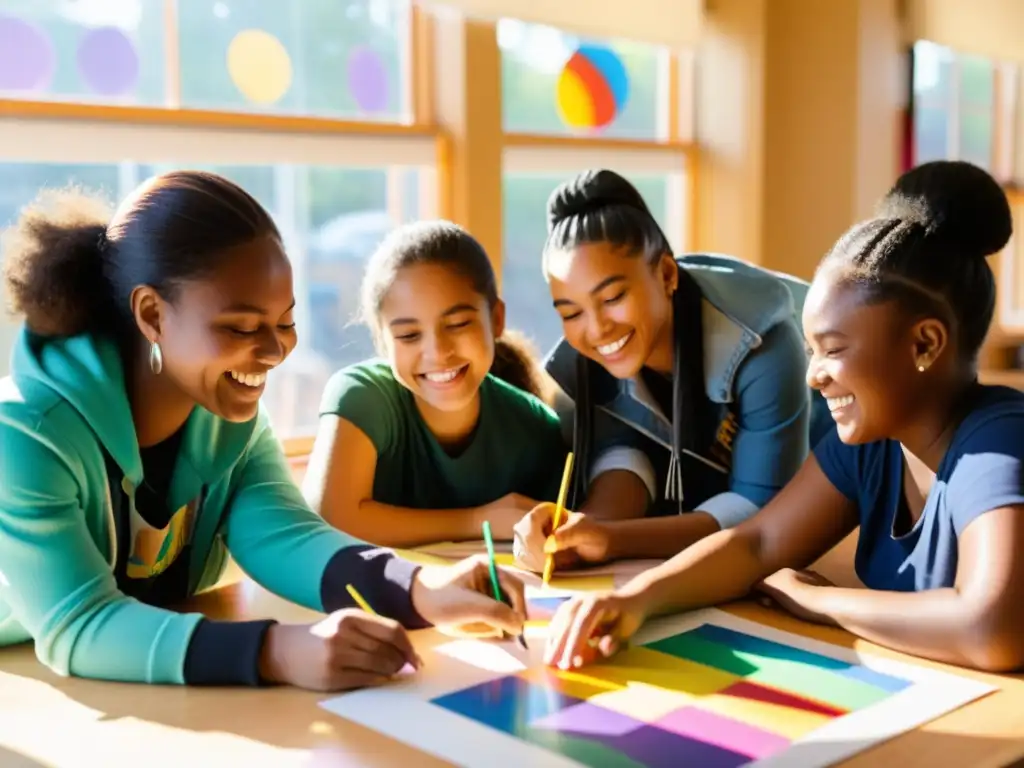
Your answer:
<point x="593" y="88"/>
<point x="27" y="57"/>
<point x="368" y="80"/>
<point x="108" y="62"/>
<point x="259" y="66"/>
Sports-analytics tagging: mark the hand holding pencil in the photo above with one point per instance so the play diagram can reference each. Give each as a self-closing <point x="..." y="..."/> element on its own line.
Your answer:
<point x="556" y="520"/>
<point x="350" y="648"/>
<point x="459" y="599"/>
<point x="546" y="540"/>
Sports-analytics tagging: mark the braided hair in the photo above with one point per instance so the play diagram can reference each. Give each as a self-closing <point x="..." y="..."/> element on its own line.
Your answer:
<point x="600" y="206"/>
<point x="927" y="248"/>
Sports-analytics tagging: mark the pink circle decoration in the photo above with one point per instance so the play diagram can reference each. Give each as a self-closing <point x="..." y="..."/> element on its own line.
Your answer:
<point x="27" y="60"/>
<point x="368" y="79"/>
<point x="108" y="62"/>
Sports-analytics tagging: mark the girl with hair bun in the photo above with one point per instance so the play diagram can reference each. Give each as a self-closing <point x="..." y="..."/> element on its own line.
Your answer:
<point x="927" y="462"/>
<point x="447" y="430"/>
<point x="680" y="382"/>
<point x="136" y="458"/>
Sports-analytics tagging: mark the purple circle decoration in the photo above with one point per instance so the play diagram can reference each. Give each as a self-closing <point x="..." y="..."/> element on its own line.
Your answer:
<point x="108" y="62"/>
<point x="368" y="79"/>
<point x="27" y="60"/>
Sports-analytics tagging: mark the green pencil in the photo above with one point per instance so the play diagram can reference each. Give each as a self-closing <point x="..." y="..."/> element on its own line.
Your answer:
<point x="494" y="577"/>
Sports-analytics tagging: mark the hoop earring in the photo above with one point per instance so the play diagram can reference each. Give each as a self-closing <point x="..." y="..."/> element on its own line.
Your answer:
<point x="156" y="358"/>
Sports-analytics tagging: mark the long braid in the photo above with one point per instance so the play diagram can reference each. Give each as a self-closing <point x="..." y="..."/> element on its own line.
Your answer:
<point x="690" y="404"/>
<point x="582" y="432"/>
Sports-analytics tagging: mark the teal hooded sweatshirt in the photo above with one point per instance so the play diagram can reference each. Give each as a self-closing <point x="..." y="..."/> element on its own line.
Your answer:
<point x="69" y="469"/>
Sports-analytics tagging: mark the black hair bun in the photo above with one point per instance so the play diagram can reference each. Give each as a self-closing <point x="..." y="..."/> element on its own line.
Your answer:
<point x="591" y="191"/>
<point x="961" y="206"/>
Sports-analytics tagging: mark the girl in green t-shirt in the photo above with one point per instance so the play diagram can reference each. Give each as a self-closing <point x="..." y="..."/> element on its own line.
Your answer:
<point x="447" y="430"/>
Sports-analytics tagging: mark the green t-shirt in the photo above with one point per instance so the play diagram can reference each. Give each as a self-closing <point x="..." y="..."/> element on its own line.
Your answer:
<point x="517" y="446"/>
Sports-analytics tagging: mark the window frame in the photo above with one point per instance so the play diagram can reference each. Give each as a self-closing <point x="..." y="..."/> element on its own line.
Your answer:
<point x="106" y="133"/>
<point x="675" y="153"/>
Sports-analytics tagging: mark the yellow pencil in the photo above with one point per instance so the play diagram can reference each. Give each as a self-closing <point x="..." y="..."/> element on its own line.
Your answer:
<point x="556" y="520"/>
<point x="360" y="600"/>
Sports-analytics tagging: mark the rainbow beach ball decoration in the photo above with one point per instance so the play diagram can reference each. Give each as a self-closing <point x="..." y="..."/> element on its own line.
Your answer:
<point x="592" y="88"/>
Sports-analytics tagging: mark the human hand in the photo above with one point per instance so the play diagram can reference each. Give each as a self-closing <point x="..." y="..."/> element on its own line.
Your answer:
<point x="348" y="649"/>
<point x="459" y="599"/>
<point x="504" y="513"/>
<point x="579" y="539"/>
<point x="592" y="627"/>
<point x="797" y="592"/>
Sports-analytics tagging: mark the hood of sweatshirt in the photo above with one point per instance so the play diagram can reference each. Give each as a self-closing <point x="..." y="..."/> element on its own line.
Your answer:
<point x="87" y="373"/>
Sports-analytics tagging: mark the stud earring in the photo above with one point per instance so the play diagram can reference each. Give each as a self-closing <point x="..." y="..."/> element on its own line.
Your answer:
<point x="156" y="358"/>
<point x="920" y="369"/>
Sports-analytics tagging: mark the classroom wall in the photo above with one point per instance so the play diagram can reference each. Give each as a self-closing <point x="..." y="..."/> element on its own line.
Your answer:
<point x="984" y="27"/>
<point x="799" y="120"/>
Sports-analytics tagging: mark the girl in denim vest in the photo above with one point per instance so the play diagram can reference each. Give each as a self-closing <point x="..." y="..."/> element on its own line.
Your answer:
<point x="680" y="382"/>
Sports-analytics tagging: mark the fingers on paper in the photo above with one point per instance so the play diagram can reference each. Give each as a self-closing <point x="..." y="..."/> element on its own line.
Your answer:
<point x="385" y="634"/>
<point x="357" y="642"/>
<point x="577" y="649"/>
<point x="515" y="591"/>
<point x="582" y="630"/>
<point x="500" y="616"/>
<point x="558" y="629"/>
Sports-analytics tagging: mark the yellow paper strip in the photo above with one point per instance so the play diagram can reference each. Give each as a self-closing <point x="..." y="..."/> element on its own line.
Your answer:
<point x="583" y="583"/>
<point x="422" y="558"/>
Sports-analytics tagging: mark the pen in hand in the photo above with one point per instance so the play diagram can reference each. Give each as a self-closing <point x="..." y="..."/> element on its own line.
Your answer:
<point x="499" y="594"/>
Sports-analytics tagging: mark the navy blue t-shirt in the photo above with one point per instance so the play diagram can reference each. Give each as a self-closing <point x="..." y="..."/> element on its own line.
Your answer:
<point x="983" y="469"/>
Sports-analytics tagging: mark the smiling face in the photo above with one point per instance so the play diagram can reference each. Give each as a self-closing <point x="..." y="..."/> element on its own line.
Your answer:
<point x="222" y="334"/>
<point x="615" y="307"/>
<point x="865" y="359"/>
<point x="439" y="335"/>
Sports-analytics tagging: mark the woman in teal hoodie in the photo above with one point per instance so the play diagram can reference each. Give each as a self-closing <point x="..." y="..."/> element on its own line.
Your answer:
<point x="135" y="457"/>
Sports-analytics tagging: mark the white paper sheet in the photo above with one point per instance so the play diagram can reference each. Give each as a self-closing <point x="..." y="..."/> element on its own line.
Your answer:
<point x="404" y="710"/>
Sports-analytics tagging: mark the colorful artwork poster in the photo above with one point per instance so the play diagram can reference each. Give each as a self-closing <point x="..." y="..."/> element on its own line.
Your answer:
<point x="707" y="689"/>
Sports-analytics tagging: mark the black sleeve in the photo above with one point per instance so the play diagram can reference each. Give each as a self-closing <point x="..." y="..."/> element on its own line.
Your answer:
<point x="383" y="579"/>
<point x="225" y="653"/>
<point x="228" y="652"/>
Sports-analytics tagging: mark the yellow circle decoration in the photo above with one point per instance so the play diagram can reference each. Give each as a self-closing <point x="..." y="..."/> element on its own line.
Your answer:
<point x="259" y="66"/>
<point x="574" y="101"/>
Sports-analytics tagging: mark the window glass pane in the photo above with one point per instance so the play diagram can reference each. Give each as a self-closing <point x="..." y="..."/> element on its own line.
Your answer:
<point x="620" y="81"/>
<point x="938" y="72"/>
<point x="931" y="135"/>
<point x="977" y="82"/>
<point x="976" y="134"/>
<point x="109" y="51"/>
<point x="933" y="74"/>
<point x="315" y="57"/>
<point x="334" y="58"/>
<point x="523" y="286"/>
<point x="331" y="220"/>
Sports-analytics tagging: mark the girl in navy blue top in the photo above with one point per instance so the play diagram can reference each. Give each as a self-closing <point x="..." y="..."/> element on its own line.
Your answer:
<point x="925" y="460"/>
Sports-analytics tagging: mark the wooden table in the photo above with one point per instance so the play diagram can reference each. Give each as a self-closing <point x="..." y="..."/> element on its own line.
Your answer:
<point x="49" y="720"/>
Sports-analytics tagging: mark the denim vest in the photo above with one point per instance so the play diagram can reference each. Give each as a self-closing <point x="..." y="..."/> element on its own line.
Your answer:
<point x="754" y="371"/>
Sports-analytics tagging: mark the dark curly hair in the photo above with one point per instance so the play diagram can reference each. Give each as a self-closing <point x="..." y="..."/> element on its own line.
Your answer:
<point x="71" y="264"/>
<point x="447" y="244"/>
<point x="927" y="248"/>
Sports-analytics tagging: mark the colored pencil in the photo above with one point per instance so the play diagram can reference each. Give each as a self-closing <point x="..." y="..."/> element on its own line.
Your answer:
<point x="556" y="520"/>
<point x="360" y="600"/>
<point x="495" y="584"/>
